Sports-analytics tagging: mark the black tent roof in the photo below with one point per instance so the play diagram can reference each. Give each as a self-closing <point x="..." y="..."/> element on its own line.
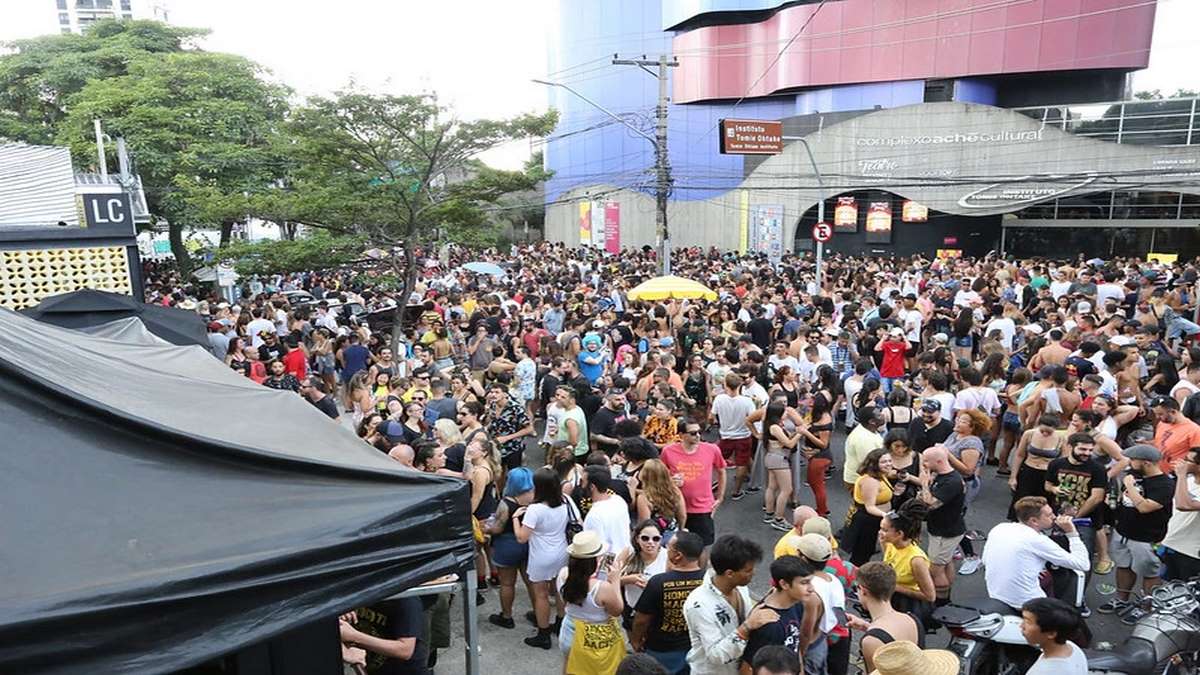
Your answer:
<point x="89" y="307"/>
<point x="155" y="519"/>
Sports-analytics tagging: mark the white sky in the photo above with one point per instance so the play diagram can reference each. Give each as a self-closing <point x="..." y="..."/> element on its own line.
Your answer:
<point x="479" y="55"/>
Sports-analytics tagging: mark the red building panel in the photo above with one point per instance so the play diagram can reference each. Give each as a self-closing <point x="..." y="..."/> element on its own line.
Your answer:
<point x="858" y="41"/>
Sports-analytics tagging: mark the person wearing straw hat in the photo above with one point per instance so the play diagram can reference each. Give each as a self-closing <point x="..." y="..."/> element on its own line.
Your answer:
<point x="590" y="635"/>
<point x="905" y="658"/>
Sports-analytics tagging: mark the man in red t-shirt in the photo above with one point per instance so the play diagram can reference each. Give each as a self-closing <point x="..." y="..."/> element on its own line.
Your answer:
<point x="692" y="464"/>
<point x="295" y="361"/>
<point x="894" y="347"/>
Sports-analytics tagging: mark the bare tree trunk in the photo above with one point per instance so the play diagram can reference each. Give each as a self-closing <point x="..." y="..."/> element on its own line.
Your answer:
<point x="226" y="232"/>
<point x="183" y="260"/>
<point x="410" y="283"/>
<point x="288" y="230"/>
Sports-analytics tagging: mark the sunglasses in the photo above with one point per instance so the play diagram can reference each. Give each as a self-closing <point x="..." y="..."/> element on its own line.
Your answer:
<point x="648" y="538"/>
<point x="691" y="432"/>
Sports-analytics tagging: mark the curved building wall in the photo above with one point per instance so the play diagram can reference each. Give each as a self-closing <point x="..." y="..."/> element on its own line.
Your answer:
<point x="856" y="41"/>
<point x="591" y="156"/>
<point x="963" y="160"/>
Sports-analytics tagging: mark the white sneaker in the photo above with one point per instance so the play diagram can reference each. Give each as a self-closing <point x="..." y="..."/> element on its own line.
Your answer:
<point x="970" y="565"/>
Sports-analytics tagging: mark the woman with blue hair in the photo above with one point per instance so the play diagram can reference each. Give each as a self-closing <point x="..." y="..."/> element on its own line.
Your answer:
<point x="508" y="554"/>
<point x="594" y="358"/>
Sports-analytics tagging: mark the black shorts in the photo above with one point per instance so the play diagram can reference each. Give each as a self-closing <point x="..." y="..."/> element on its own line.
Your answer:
<point x="702" y="524"/>
<point x="513" y="460"/>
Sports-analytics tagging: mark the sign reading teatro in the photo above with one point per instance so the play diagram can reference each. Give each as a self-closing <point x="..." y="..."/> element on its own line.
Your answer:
<point x="751" y="137"/>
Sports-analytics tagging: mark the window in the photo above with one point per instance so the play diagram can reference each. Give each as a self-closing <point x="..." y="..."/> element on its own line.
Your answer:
<point x="64" y="19"/>
<point x="127" y="16"/>
<point x="126" y="6"/>
<point x="62" y="4"/>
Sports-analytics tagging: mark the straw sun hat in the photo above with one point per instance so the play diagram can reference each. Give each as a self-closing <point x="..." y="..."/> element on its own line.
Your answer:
<point x="586" y="544"/>
<point x="905" y="658"/>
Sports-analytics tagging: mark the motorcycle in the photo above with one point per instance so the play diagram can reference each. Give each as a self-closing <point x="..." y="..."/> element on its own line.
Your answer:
<point x="987" y="637"/>
<point x="1166" y="641"/>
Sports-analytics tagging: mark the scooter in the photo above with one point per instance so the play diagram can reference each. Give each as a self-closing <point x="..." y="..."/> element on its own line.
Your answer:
<point x="1166" y="641"/>
<point x="987" y="635"/>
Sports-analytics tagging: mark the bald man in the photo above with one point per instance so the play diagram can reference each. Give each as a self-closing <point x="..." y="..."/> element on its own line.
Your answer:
<point x="942" y="489"/>
<point x="787" y="543"/>
<point x="403" y="454"/>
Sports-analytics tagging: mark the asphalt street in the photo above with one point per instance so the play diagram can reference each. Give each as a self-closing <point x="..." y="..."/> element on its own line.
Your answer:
<point x="503" y="648"/>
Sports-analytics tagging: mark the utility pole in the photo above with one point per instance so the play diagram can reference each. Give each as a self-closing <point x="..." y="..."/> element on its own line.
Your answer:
<point x="662" y="162"/>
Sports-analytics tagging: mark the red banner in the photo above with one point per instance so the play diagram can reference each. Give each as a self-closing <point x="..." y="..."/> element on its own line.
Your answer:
<point x="612" y="227"/>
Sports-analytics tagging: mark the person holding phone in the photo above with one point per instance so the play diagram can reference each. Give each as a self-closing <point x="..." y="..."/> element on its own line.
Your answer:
<point x="591" y="637"/>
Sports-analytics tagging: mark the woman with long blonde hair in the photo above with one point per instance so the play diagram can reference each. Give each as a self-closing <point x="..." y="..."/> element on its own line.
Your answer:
<point x="659" y="500"/>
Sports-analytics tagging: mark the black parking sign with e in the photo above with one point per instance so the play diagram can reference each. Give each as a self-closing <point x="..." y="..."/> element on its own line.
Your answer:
<point x="111" y="211"/>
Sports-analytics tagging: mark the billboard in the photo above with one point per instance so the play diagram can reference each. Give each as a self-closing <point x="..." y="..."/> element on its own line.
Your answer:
<point x="612" y="227"/>
<point x="751" y="137"/>
<point x="845" y="215"/>
<point x="585" y="223"/>
<point x="913" y="212"/>
<point x="766" y="231"/>
<point x="879" y="223"/>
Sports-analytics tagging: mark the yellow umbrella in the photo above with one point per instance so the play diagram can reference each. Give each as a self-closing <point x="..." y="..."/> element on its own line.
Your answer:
<point x="661" y="288"/>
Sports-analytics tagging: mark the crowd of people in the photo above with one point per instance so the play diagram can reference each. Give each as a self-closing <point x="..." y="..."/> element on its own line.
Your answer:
<point x="601" y="436"/>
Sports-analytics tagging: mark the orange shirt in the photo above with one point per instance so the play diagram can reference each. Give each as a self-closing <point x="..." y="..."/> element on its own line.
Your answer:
<point x="1174" y="440"/>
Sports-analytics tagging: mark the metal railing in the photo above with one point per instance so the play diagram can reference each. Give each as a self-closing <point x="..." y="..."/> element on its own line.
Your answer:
<point x="1162" y="122"/>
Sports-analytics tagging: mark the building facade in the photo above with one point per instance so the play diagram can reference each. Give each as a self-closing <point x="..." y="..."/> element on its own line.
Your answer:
<point x="61" y="230"/>
<point x="966" y="125"/>
<point x="45" y="17"/>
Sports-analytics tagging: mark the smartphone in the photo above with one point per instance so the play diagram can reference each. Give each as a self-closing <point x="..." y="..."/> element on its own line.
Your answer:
<point x="602" y="567"/>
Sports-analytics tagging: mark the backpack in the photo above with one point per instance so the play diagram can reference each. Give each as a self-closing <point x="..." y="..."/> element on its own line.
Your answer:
<point x="574" y="526"/>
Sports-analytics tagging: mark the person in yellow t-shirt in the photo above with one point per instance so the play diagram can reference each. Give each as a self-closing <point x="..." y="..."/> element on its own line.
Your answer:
<point x="899" y="532"/>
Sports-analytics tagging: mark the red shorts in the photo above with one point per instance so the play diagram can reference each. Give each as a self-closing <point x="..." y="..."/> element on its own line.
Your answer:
<point x="737" y="451"/>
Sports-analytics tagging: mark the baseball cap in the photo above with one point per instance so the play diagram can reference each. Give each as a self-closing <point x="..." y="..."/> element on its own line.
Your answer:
<point x="1033" y="328"/>
<point x="896" y="331"/>
<point x="1121" y="340"/>
<point x="818" y="525"/>
<point x="931" y="405"/>
<point x="941" y="337"/>
<point x="815" y="547"/>
<point x="1084" y="307"/>
<point x="215" y="325"/>
<point x="1164" y="402"/>
<point x="1144" y="452"/>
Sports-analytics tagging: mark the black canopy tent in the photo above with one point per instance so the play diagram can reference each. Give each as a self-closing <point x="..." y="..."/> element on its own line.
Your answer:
<point x="89" y="307"/>
<point x="155" y="520"/>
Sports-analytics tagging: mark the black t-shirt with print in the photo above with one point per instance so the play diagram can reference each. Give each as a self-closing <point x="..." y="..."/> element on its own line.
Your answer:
<point x="783" y="631"/>
<point x="1147" y="527"/>
<point x="393" y="620"/>
<point x="663" y="599"/>
<point x="1075" y="482"/>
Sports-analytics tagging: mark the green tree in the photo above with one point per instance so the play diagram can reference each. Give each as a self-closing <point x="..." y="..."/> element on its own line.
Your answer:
<point x="316" y="250"/>
<point x="41" y="74"/>
<point x="400" y="171"/>
<point x="199" y="125"/>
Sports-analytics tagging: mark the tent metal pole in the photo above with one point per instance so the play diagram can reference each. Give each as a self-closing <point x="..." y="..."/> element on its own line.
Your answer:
<point x="471" y="622"/>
